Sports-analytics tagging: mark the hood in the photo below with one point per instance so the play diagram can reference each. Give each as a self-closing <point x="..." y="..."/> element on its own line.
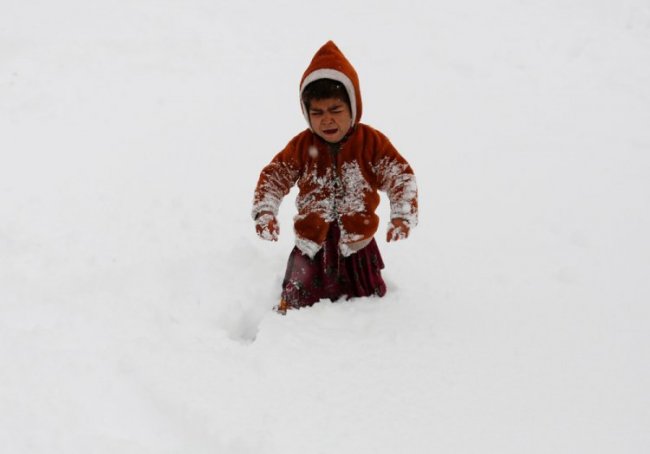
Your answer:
<point x="330" y="63"/>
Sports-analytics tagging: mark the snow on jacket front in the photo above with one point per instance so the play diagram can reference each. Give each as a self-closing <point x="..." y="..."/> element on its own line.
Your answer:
<point x="337" y="187"/>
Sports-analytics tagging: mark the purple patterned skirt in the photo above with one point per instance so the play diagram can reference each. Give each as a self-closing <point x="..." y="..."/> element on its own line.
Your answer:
<point x="331" y="275"/>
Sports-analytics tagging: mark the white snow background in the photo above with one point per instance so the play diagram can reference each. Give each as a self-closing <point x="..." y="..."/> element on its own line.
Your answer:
<point x="135" y="297"/>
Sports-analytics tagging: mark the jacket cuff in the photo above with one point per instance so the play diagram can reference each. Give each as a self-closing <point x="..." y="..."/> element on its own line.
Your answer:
<point x="264" y="206"/>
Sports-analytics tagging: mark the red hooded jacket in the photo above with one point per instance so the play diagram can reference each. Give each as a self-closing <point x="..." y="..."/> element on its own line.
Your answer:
<point x="338" y="188"/>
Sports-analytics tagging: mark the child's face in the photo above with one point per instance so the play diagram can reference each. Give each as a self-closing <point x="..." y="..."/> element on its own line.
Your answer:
<point x="330" y="118"/>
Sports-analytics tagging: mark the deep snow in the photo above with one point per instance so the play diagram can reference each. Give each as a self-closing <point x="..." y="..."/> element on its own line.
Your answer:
<point x="135" y="298"/>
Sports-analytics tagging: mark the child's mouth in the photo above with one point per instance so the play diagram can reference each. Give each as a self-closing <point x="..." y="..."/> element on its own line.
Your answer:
<point x="329" y="132"/>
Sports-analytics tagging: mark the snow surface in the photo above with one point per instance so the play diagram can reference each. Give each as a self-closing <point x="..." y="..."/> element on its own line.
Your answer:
<point x="135" y="297"/>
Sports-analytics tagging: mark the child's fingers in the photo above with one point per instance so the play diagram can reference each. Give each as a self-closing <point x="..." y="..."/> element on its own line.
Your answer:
<point x="267" y="227"/>
<point x="396" y="234"/>
<point x="398" y="230"/>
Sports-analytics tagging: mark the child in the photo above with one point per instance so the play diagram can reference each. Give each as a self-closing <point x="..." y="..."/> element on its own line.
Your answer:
<point x="338" y="164"/>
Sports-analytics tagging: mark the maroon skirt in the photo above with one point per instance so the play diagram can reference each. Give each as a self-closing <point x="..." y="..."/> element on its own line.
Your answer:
<point x="331" y="275"/>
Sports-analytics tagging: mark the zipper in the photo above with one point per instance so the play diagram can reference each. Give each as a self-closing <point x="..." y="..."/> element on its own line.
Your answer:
<point x="338" y="186"/>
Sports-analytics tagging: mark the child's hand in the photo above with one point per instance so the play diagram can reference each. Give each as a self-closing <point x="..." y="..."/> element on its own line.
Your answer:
<point x="267" y="226"/>
<point x="398" y="229"/>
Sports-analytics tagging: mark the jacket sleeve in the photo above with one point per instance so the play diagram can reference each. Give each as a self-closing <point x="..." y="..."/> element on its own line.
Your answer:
<point x="275" y="181"/>
<point x="395" y="176"/>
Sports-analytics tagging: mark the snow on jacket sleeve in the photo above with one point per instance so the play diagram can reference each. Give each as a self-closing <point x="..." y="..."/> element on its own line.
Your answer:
<point x="395" y="176"/>
<point x="275" y="181"/>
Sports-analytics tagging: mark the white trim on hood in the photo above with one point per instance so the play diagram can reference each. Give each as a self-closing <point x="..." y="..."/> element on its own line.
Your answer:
<point x="327" y="73"/>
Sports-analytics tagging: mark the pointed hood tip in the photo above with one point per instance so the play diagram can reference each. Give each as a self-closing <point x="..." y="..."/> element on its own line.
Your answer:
<point x="331" y="43"/>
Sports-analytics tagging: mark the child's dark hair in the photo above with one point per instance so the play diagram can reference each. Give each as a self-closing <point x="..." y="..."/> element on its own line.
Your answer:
<point x="324" y="89"/>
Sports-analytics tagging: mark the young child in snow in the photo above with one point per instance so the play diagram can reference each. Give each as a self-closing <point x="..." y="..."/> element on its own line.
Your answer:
<point x="338" y="164"/>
